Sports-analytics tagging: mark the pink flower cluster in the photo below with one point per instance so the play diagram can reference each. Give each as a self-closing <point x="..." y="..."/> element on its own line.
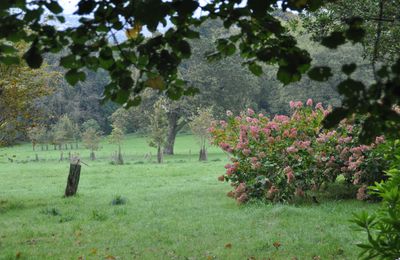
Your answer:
<point x="287" y="156"/>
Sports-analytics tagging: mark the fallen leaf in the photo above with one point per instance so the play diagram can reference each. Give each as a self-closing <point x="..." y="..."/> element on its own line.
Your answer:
<point x="18" y="255"/>
<point x="110" y="257"/>
<point x="276" y="244"/>
<point x="229" y="245"/>
<point x="93" y="251"/>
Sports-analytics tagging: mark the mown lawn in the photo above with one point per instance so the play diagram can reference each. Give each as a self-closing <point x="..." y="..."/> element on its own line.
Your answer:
<point x="177" y="210"/>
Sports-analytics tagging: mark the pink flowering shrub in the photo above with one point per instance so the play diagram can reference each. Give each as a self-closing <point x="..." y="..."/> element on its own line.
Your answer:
<point x="285" y="156"/>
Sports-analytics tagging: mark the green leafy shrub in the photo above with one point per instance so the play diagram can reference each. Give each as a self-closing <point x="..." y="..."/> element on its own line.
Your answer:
<point x="282" y="157"/>
<point x="51" y="212"/>
<point x="118" y="200"/>
<point x="383" y="227"/>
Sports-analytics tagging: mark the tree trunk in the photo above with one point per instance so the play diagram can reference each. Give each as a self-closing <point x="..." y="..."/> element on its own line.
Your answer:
<point x="36" y="157"/>
<point x="41" y="147"/>
<point x="47" y="147"/>
<point x="203" y="154"/>
<point x="59" y="147"/>
<point x="73" y="179"/>
<point x="66" y="146"/>
<point x="71" y="146"/>
<point x="119" y="156"/>
<point x="159" y="155"/>
<point x="69" y="155"/>
<point x="92" y="156"/>
<point x="55" y="147"/>
<point x="173" y="129"/>
<point x="62" y="156"/>
<point x="76" y="145"/>
<point x="33" y="146"/>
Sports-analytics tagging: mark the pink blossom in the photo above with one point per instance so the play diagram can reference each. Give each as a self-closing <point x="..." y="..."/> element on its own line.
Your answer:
<point x="249" y="119"/>
<point x="253" y="160"/>
<point x="254" y="131"/>
<point x="250" y="112"/>
<point x="223" y="124"/>
<point x="281" y="118"/>
<point x="260" y="115"/>
<point x="319" y="106"/>
<point x="211" y="129"/>
<point x="221" y="178"/>
<point x="379" y="139"/>
<point x="266" y="131"/>
<point x="290" y="177"/>
<point x="229" y="113"/>
<point x="292" y="149"/>
<point x="261" y="155"/>
<point x="246" y="151"/>
<point x="238" y="118"/>
<point x="362" y="193"/>
<point x="291" y="104"/>
<point x="242" y="199"/>
<point x="309" y="102"/>
<point x="273" y="125"/>
<point x="298" y="104"/>
<point x="299" y="192"/>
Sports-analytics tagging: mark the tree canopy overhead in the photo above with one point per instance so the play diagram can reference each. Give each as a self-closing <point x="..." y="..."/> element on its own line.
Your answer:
<point x="261" y="38"/>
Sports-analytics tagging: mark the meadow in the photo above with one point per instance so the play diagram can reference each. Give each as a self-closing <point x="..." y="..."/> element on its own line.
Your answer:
<point x="174" y="210"/>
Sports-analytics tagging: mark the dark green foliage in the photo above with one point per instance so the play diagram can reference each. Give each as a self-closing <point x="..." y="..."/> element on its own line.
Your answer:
<point x="382" y="227"/>
<point x="118" y="200"/>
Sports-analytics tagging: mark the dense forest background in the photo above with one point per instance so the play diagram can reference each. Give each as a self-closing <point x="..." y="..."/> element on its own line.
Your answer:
<point x="224" y="85"/>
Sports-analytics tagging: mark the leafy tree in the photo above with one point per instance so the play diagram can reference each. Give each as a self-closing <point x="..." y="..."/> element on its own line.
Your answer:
<point x="330" y="18"/>
<point x="37" y="134"/>
<point x="91" y="138"/>
<point x="158" y="127"/>
<point x="20" y="88"/>
<point x="199" y="126"/>
<point x="116" y="137"/>
<point x="64" y="131"/>
<point x="91" y="123"/>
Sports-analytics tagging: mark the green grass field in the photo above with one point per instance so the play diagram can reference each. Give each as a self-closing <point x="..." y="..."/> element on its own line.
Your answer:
<point x="177" y="210"/>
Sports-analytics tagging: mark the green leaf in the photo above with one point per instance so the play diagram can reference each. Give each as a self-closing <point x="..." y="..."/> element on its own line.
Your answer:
<point x="322" y="73"/>
<point x="86" y="7"/>
<point x="348" y="69"/>
<point x="333" y="118"/>
<point x="33" y="57"/>
<point x="73" y="76"/>
<point x="255" y="69"/>
<point x="334" y="40"/>
<point x="9" y="60"/>
<point x="54" y="7"/>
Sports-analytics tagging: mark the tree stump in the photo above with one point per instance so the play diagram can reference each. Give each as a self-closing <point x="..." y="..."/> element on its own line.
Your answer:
<point x="73" y="177"/>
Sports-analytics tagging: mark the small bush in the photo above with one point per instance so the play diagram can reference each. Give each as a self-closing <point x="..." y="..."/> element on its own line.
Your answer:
<point x="118" y="200"/>
<point x="51" y="212"/>
<point x="99" y="216"/>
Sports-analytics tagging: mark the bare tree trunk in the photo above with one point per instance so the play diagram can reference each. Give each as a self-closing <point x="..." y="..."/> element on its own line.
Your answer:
<point x="55" y="146"/>
<point x="159" y="154"/>
<point x="203" y="154"/>
<point x="173" y="129"/>
<point x="41" y="147"/>
<point x="33" y="146"/>
<point x="73" y="179"/>
<point x="47" y="147"/>
<point x="62" y="156"/>
<point x="71" y="146"/>
<point x="92" y="156"/>
<point x="66" y="146"/>
<point x="59" y="147"/>
<point x="119" y="156"/>
<point x="36" y="157"/>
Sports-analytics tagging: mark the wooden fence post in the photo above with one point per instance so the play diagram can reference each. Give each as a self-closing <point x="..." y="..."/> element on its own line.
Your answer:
<point x="73" y="177"/>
